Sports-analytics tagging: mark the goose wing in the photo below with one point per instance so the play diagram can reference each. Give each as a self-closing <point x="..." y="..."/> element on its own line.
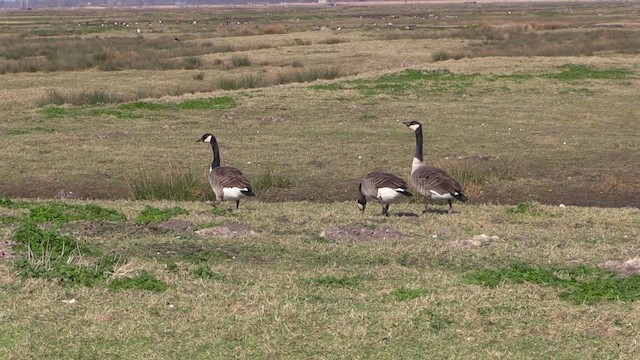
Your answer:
<point x="226" y="176"/>
<point x="381" y="179"/>
<point x="428" y="179"/>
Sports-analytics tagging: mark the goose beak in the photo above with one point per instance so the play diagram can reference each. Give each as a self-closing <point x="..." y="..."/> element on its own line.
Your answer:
<point x="407" y="123"/>
<point x="199" y="140"/>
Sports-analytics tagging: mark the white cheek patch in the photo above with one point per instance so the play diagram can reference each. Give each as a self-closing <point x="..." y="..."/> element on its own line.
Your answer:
<point x="207" y="139"/>
<point x="414" y="127"/>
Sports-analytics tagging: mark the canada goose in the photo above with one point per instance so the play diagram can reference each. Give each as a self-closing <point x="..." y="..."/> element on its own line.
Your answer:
<point x="228" y="183"/>
<point x="383" y="188"/>
<point x="431" y="182"/>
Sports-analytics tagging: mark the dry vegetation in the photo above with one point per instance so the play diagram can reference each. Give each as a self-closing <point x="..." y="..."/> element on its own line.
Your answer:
<point x="528" y="105"/>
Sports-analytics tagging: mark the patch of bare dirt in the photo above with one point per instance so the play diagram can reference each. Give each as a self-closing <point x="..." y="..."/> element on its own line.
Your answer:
<point x="175" y="225"/>
<point x="98" y="228"/>
<point x="229" y="230"/>
<point x="625" y="268"/>
<point x="6" y="250"/>
<point x="475" y="242"/>
<point x="360" y="233"/>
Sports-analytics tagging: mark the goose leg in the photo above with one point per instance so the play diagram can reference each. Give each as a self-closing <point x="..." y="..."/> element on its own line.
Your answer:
<point x="385" y="210"/>
<point x="237" y="204"/>
<point x="450" y="206"/>
<point x="426" y="205"/>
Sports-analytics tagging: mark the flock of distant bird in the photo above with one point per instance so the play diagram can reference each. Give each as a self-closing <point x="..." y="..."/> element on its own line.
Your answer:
<point x="432" y="183"/>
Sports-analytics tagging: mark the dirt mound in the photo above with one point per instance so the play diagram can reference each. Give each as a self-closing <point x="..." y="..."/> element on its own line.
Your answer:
<point x="625" y="268"/>
<point x="359" y="233"/>
<point x="229" y="230"/>
<point x="174" y="225"/>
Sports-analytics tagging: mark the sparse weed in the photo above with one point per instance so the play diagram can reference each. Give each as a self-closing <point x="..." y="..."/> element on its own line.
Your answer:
<point x="404" y="294"/>
<point x="204" y="272"/>
<point x="143" y="281"/>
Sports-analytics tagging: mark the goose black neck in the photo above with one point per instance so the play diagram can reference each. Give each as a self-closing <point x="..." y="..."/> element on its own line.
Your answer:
<point x="419" y="143"/>
<point x="216" y="153"/>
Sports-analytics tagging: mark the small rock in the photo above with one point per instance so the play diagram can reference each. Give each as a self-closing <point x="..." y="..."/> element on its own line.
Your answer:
<point x="63" y="194"/>
<point x="71" y="301"/>
<point x="476" y="241"/>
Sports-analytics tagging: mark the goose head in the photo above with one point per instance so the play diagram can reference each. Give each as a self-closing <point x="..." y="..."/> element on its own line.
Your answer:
<point x="362" y="201"/>
<point x="208" y="138"/>
<point x="412" y="124"/>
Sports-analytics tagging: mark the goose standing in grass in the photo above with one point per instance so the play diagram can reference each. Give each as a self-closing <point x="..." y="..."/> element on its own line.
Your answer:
<point x="383" y="188"/>
<point x="431" y="182"/>
<point x="227" y="183"/>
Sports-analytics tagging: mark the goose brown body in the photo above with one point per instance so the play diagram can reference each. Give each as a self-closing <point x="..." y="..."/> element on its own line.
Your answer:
<point x="431" y="182"/>
<point x="382" y="187"/>
<point x="227" y="183"/>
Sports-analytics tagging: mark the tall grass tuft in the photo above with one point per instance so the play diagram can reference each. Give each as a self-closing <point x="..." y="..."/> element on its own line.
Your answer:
<point x="79" y="98"/>
<point x="307" y="75"/>
<point x="174" y="184"/>
<point x="271" y="180"/>
<point x="240" y="61"/>
<point x="244" y="81"/>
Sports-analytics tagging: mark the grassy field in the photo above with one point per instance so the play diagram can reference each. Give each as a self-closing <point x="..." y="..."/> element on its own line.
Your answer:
<point x="529" y="105"/>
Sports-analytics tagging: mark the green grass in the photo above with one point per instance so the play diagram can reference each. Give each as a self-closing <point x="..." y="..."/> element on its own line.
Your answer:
<point x="579" y="285"/>
<point x="49" y="255"/>
<point x="404" y="294"/>
<point x="152" y="214"/>
<point x="59" y="212"/>
<point x="574" y="72"/>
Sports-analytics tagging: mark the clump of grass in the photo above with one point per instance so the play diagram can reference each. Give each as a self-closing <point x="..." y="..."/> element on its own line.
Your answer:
<point x="580" y="285"/>
<point x="198" y="76"/>
<point x="334" y="281"/>
<point x="152" y="214"/>
<point x="404" y="294"/>
<point x="8" y="203"/>
<point x="297" y="64"/>
<point x="240" y="61"/>
<point x="204" y="272"/>
<point x="174" y="184"/>
<point x="244" y="81"/>
<point x="191" y="62"/>
<point x="521" y="208"/>
<point x="333" y="40"/>
<point x="47" y="254"/>
<point x="271" y="180"/>
<point x="143" y="281"/>
<point x="80" y="98"/>
<point x="443" y="55"/>
<point x="307" y="75"/>
<point x="274" y="29"/>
